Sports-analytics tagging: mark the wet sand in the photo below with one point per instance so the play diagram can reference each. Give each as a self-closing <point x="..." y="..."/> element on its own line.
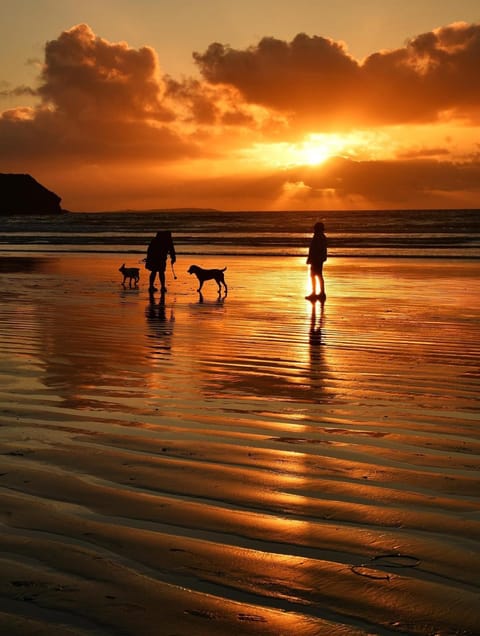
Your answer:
<point x="249" y="464"/>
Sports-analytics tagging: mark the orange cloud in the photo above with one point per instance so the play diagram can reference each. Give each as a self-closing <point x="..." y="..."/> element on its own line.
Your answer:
<point x="400" y="182"/>
<point x="107" y="101"/>
<point x="314" y="78"/>
<point x="204" y="104"/>
<point x="163" y="142"/>
<point x="307" y="75"/>
<point x="99" y="100"/>
<point x="338" y="183"/>
<point x="87" y="77"/>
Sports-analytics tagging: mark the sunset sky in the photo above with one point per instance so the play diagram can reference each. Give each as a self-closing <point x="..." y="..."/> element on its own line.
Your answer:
<point x="258" y="105"/>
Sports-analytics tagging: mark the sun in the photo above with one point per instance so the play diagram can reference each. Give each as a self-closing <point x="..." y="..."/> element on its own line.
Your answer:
<point x="313" y="154"/>
<point x="316" y="148"/>
<point x="313" y="150"/>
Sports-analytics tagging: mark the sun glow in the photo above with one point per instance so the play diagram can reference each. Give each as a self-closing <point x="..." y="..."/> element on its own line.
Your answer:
<point x="313" y="154"/>
<point x="316" y="148"/>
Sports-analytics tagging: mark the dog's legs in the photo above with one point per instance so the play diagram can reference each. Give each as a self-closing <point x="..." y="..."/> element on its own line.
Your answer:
<point x="201" y="285"/>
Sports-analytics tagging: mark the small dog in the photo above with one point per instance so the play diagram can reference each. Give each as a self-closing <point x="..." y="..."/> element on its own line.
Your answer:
<point x="209" y="274"/>
<point x="130" y="273"/>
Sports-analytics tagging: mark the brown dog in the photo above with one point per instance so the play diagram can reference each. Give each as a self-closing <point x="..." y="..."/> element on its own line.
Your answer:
<point x="209" y="274"/>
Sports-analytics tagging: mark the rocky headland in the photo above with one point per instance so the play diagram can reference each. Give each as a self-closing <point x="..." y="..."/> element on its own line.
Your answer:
<point x="22" y="194"/>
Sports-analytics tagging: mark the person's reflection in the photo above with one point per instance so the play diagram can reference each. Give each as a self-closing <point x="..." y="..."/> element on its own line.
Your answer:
<point x="316" y="342"/>
<point x="316" y="325"/>
<point x="160" y="326"/>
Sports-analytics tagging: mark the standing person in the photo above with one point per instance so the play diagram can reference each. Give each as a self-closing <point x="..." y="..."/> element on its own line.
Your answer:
<point x="158" y="250"/>
<point x="317" y="255"/>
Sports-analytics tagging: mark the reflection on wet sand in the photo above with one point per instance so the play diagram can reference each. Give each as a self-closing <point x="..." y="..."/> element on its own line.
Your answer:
<point x="316" y="343"/>
<point x="160" y="325"/>
<point x="220" y="299"/>
<point x="252" y="465"/>
<point x="88" y="353"/>
<point x="24" y="264"/>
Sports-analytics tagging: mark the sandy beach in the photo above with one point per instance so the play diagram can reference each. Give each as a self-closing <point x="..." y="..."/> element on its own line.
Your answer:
<point x="246" y="464"/>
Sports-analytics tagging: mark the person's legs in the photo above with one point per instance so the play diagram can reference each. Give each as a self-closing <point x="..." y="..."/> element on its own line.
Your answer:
<point x="313" y="278"/>
<point x="322" y="282"/>
<point x="161" y="275"/>
<point x="313" y="284"/>
<point x="316" y="274"/>
<point x="153" y="273"/>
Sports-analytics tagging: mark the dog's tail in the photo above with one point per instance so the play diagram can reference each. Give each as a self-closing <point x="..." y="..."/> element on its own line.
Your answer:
<point x="222" y="270"/>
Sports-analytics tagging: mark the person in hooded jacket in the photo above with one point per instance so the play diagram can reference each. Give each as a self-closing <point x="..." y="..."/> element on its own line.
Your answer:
<point x="161" y="246"/>
<point x="317" y="255"/>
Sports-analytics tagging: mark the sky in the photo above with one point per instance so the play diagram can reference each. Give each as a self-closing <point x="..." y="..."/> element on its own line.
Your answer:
<point x="258" y="105"/>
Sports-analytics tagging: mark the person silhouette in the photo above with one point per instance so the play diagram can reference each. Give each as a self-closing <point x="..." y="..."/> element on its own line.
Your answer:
<point x="160" y="247"/>
<point x="317" y="255"/>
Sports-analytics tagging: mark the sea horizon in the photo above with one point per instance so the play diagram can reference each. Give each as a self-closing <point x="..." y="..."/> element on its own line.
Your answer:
<point x="400" y="233"/>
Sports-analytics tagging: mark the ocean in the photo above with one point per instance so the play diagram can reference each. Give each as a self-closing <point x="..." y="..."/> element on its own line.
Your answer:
<point x="383" y="233"/>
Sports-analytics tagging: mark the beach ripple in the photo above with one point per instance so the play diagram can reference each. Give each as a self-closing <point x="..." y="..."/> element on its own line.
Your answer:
<point x="253" y="464"/>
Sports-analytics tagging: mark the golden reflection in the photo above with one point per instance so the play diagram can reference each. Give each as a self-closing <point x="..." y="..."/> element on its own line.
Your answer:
<point x="220" y="299"/>
<point x="316" y="324"/>
<point x="159" y="338"/>
<point x="316" y="344"/>
<point x="89" y="333"/>
<point x="160" y="325"/>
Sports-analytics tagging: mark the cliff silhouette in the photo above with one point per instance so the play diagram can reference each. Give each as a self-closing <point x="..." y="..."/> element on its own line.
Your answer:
<point x="22" y="194"/>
